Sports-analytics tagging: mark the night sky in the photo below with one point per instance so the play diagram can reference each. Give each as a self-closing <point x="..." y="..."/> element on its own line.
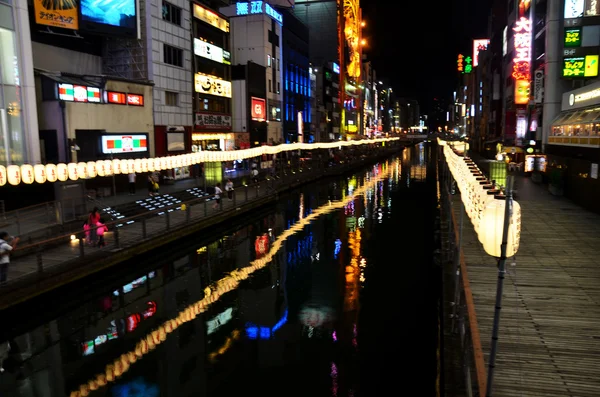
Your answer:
<point x="415" y="43"/>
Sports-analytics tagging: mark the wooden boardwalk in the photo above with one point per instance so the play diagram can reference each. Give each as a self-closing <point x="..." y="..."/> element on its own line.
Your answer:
<point x="549" y="340"/>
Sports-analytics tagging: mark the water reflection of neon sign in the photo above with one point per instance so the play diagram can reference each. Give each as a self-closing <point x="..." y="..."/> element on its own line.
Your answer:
<point x="219" y="320"/>
<point x="135" y="283"/>
<point x="132" y="322"/>
<point x="254" y="331"/>
<point x="338" y="248"/>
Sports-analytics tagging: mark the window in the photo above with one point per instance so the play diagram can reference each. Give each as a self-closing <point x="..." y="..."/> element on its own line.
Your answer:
<point x="268" y="61"/>
<point x="278" y="87"/>
<point x="171" y="13"/>
<point x="173" y="56"/>
<point x="171" y="98"/>
<point x="270" y="89"/>
<point x="278" y="64"/>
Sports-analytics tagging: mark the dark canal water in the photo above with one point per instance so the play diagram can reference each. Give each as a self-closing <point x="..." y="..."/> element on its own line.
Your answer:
<point x="331" y="292"/>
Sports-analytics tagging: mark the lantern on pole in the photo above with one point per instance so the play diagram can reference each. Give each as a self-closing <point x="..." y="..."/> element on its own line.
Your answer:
<point x="27" y="176"/>
<point x="39" y="172"/>
<point x="492" y="227"/>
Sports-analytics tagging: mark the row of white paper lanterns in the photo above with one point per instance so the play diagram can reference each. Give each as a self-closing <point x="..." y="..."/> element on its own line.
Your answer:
<point x="40" y="173"/>
<point x="485" y="210"/>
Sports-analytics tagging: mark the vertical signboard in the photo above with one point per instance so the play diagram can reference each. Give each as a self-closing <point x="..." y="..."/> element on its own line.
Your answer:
<point x="522" y="60"/>
<point x="538" y="89"/>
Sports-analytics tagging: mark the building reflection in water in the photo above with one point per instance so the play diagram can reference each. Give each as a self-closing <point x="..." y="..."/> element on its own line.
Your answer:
<point x="314" y="282"/>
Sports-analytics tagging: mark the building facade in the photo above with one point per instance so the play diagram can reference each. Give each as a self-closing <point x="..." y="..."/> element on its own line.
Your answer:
<point x="256" y="30"/>
<point x="297" y="81"/>
<point x="19" y="142"/>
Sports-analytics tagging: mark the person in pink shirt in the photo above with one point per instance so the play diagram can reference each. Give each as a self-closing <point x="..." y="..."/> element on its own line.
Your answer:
<point x="101" y="229"/>
<point x="86" y="232"/>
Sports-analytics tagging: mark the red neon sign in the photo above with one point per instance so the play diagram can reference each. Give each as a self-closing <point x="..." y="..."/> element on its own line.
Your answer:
<point x="522" y="60"/>
<point x="258" y="109"/>
<point x="135" y="100"/>
<point x="117" y="98"/>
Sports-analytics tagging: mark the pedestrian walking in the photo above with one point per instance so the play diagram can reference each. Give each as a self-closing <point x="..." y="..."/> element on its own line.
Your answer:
<point x="131" y="177"/>
<point x="229" y="189"/>
<point x="93" y="219"/>
<point x="218" y="193"/>
<point x="7" y="245"/>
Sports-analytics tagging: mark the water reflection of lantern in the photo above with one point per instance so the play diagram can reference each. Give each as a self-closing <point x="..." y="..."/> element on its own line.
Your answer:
<point x="62" y="172"/>
<point x="493" y="225"/>
<point x="117" y="166"/>
<point x="100" y="168"/>
<point x="39" y="172"/>
<point x="14" y="174"/>
<point x="51" y="173"/>
<point x="82" y="170"/>
<point x="27" y="174"/>
<point x="92" y="171"/>
<point x="73" y="171"/>
<point x="2" y="175"/>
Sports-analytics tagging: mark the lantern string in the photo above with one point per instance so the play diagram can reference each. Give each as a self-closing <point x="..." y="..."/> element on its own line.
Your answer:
<point x="41" y="173"/>
<point x="114" y="370"/>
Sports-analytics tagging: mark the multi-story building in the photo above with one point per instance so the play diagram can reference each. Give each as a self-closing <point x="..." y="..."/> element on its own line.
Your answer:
<point x="368" y="117"/>
<point x="297" y="82"/>
<point x="256" y="30"/>
<point x="212" y="102"/>
<point x="19" y="142"/>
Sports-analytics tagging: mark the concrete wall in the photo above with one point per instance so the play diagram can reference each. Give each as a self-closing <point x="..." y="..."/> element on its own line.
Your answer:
<point x="58" y="59"/>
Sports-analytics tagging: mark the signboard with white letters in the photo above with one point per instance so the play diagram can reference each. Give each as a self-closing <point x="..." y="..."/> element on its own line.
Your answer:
<point x="213" y="121"/>
<point x="210" y="51"/>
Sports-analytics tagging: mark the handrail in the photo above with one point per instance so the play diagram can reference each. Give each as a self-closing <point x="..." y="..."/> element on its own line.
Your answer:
<point x="28" y="208"/>
<point x="125" y="220"/>
<point x="474" y="328"/>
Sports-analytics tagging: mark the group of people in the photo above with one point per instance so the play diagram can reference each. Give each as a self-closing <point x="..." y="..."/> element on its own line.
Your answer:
<point x="94" y="229"/>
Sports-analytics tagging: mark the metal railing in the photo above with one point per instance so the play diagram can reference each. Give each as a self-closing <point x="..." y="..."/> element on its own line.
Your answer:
<point x="459" y="304"/>
<point x="42" y="257"/>
<point x="31" y="219"/>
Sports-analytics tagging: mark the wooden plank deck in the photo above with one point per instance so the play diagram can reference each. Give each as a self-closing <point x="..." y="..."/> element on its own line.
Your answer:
<point x="549" y="340"/>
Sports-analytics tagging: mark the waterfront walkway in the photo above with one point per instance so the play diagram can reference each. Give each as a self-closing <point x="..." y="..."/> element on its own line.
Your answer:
<point x="549" y="339"/>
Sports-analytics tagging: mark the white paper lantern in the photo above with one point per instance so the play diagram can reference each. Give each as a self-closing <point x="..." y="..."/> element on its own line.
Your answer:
<point x="39" y="171"/>
<point x="152" y="165"/>
<point x="109" y="170"/>
<point x="27" y="175"/>
<point x="92" y="170"/>
<point x="485" y="201"/>
<point x="100" y="168"/>
<point x="492" y="228"/>
<point x="130" y="166"/>
<point x="3" y="175"/>
<point x="117" y="166"/>
<point x="14" y="174"/>
<point x="144" y="165"/>
<point x="62" y="171"/>
<point x="82" y="170"/>
<point x="163" y="164"/>
<point x="73" y="171"/>
<point x="170" y="163"/>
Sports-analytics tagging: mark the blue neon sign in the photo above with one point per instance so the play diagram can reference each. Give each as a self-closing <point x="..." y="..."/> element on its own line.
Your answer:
<point x="257" y="7"/>
<point x="257" y="332"/>
<point x="336" y="68"/>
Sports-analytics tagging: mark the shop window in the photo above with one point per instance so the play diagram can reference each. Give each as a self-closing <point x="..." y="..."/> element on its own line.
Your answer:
<point x="171" y="98"/>
<point x="172" y="56"/>
<point x="590" y="36"/>
<point x="171" y="13"/>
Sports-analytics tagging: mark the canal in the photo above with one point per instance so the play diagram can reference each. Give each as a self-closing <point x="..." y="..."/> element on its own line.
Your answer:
<point x="331" y="292"/>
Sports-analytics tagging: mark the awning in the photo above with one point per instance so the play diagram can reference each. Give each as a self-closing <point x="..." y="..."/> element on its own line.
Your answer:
<point x="577" y="117"/>
<point x="89" y="81"/>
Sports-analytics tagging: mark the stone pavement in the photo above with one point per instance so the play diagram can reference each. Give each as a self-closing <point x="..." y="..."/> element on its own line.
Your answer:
<point x="549" y="339"/>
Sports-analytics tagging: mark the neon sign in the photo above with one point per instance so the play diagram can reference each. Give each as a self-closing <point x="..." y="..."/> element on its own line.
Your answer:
<point x="522" y="60"/>
<point x="468" y="65"/>
<point x="572" y="37"/>
<point x="581" y="66"/>
<point x="336" y="68"/>
<point x="257" y="7"/>
<point x="460" y="62"/>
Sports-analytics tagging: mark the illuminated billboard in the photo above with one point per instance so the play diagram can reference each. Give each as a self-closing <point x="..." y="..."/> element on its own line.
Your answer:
<point x="478" y="46"/>
<point x="573" y="37"/>
<point x="110" y="17"/>
<point x="208" y="16"/>
<point x="211" y="85"/>
<point x="78" y="93"/>
<point x="586" y="66"/>
<point x="257" y="7"/>
<point x="212" y="52"/>
<point x="574" y="8"/>
<point x="62" y="14"/>
<point x="124" y="143"/>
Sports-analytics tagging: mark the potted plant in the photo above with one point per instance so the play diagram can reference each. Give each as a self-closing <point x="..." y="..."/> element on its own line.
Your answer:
<point x="557" y="182"/>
